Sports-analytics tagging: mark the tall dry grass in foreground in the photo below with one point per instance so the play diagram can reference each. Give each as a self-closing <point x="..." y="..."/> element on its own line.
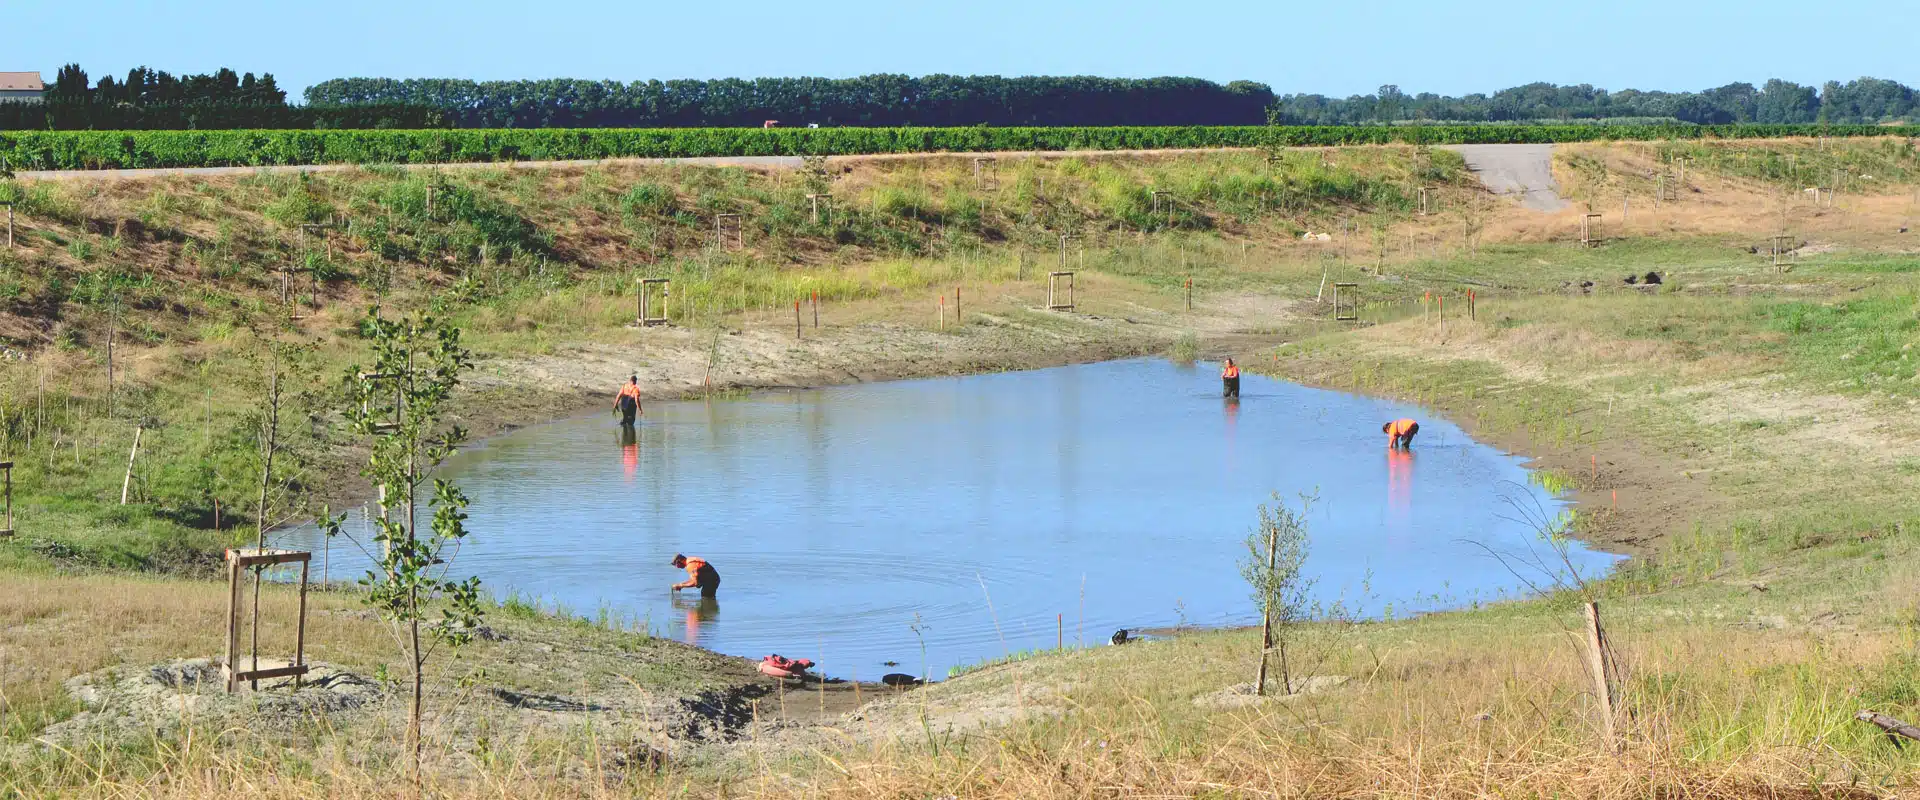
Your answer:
<point x="1481" y="705"/>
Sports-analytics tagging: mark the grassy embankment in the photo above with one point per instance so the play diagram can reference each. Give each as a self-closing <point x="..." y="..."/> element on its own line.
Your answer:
<point x="1752" y="423"/>
<point x="187" y="275"/>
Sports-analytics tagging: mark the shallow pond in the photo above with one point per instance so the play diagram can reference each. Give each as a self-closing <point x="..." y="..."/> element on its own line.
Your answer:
<point x="936" y="523"/>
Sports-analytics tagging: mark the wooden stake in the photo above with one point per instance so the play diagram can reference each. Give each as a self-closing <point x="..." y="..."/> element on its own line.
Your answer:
<point x="796" y="319"/>
<point x="6" y="468"/>
<point x="959" y="319"/>
<point x="1601" y="667"/>
<point x="112" y="324"/>
<point x="253" y="630"/>
<point x="816" y="310"/>
<point x="233" y="619"/>
<point x="127" y="482"/>
<point x="1266" y="622"/>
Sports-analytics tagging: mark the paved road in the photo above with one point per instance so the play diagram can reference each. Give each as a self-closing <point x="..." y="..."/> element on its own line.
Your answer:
<point x="1524" y="169"/>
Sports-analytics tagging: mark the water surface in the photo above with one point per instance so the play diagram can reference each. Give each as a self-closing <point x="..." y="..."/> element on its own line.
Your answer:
<point x="939" y="522"/>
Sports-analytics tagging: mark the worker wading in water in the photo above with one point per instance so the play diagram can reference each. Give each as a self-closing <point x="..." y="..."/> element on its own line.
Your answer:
<point x="1400" y="433"/>
<point x="700" y="575"/>
<point x="1230" y="380"/>
<point x="627" y="402"/>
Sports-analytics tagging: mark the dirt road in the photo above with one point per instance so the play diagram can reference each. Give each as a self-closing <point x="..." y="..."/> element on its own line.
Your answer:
<point x="1504" y="168"/>
<point x="764" y="162"/>
<point x="1522" y="169"/>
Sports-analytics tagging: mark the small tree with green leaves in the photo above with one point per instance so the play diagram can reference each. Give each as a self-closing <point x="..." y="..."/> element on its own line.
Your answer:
<point x="1275" y="567"/>
<point x="400" y="402"/>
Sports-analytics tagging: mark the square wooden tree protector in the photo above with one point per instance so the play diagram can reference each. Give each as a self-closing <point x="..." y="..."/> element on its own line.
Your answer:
<point x="1053" y="298"/>
<point x="646" y="316"/>
<point x="238" y="562"/>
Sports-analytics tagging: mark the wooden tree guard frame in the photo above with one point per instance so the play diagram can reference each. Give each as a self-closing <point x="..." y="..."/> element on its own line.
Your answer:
<point x="383" y="428"/>
<point x="813" y="200"/>
<point x="645" y="318"/>
<point x="6" y="468"/>
<point x="1053" y="282"/>
<point x="1783" y="244"/>
<point x="986" y="173"/>
<point x="727" y="226"/>
<point x="1348" y="311"/>
<point x="1587" y="239"/>
<point x="238" y="562"/>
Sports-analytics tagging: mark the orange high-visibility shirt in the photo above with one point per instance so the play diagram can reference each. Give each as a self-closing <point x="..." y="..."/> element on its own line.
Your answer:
<point x="1401" y="427"/>
<point x="630" y="390"/>
<point x="694" y="566"/>
<point x="1230" y="372"/>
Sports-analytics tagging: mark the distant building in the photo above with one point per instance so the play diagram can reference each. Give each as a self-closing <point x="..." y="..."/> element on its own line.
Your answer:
<point x="21" y="87"/>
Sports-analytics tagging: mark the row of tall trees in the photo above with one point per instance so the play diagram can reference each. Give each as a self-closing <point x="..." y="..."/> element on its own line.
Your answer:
<point x="144" y="86"/>
<point x="151" y="99"/>
<point x="1861" y="101"/>
<point x="871" y="100"/>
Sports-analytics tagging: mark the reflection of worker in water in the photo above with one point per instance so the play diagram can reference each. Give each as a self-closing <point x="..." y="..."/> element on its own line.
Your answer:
<point x="629" y="450"/>
<point x="1400" y="433"/>
<point x="1399" y="480"/>
<point x="627" y="402"/>
<point x="1230" y="380"/>
<point x="705" y="609"/>
<point x="700" y="574"/>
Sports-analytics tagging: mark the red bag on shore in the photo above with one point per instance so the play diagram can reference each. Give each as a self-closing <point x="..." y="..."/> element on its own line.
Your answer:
<point x="780" y="666"/>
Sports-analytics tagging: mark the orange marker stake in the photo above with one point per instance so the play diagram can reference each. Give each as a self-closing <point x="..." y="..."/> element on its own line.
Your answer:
<point x="1596" y="467"/>
<point x="1616" y="498"/>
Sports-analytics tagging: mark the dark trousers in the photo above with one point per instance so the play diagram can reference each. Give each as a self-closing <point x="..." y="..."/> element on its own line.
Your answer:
<point x="1230" y="387"/>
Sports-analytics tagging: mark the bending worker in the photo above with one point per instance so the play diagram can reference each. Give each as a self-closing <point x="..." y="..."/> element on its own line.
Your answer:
<point x="1230" y="380"/>
<point x="627" y="402"/>
<point x="1400" y="433"/>
<point x="700" y="575"/>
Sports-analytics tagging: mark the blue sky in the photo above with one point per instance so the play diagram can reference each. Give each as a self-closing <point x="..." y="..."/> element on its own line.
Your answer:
<point x="1338" y="48"/>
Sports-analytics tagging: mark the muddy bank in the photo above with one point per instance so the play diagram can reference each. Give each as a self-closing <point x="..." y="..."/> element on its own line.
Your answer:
<point x="1632" y="496"/>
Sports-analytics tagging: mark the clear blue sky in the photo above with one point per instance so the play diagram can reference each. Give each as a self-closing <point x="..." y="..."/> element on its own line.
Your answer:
<point x="1334" y="47"/>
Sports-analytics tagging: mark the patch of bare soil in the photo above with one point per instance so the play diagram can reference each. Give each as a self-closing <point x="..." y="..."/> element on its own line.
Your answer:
<point x="135" y="702"/>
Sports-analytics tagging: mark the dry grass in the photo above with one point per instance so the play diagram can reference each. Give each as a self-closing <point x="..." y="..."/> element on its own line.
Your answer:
<point x="1749" y="637"/>
<point x="53" y="628"/>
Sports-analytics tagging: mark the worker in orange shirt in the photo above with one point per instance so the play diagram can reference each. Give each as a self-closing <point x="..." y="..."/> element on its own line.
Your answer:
<point x="700" y="575"/>
<point x="1400" y="433"/>
<point x="627" y="402"/>
<point x="1230" y="380"/>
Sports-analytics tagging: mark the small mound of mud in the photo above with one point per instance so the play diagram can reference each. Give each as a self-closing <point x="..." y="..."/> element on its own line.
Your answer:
<point x="138" y="701"/>
<point x="1241" y="695"/>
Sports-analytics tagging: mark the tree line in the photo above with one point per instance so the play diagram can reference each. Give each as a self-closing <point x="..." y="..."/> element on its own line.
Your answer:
<point x="144" y="86"/>
<point x="147" y="99"/>
<point x="1777" y="102"/>
<point x="866" y="101"/>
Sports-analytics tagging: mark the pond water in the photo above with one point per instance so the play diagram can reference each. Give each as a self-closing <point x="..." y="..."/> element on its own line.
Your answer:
<point x="936" y="523"/>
